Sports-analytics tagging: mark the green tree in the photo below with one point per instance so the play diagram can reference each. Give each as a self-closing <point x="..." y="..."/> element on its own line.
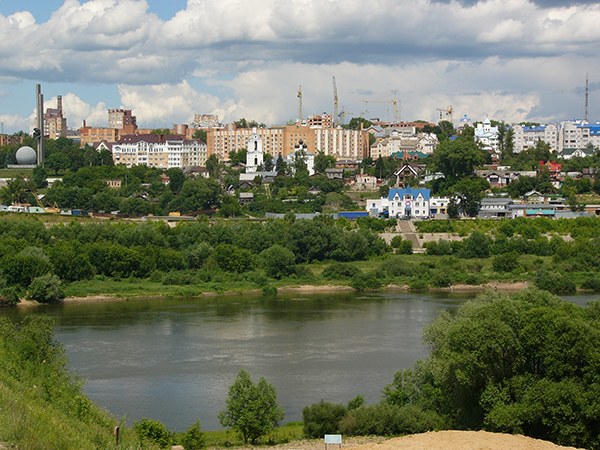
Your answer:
<point x="176" y="179"/>
<point x="323" y="162"/>
<point x="46" y="289"/>
<point x="525" y="363"/>
<point x="251" y="409"/>
<point x="277" y="261"/>
<point x="200" y="134"/>
<point x="459" y="158"/>
<point x="212" y="165"/>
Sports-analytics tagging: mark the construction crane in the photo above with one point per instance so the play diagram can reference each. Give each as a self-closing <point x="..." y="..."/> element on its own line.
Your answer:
<point x="342" y="115"/>
<point x="448" y="112"/>
<point x="395" y="103"/>
<point x="300" y="104"/>
<point x="335" y="105"/>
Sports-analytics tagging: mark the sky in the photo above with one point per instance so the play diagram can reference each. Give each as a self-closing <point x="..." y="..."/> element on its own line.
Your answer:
<point x="512" y="60"/>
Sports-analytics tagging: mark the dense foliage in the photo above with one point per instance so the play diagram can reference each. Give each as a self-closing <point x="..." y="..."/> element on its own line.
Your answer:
<point x="526" y="363"/>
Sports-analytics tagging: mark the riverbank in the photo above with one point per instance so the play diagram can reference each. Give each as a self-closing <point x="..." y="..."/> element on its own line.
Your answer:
<point x="291" y="289"/>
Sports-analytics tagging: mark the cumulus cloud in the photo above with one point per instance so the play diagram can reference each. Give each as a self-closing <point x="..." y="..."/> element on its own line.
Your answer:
<point x="251" y="56"/>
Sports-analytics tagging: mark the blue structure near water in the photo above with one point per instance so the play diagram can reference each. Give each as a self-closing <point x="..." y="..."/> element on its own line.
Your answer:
<point x="352" y="215"/>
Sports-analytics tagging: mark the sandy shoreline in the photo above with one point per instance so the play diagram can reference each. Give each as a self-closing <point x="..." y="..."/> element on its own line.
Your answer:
<point x="300" y="289"/>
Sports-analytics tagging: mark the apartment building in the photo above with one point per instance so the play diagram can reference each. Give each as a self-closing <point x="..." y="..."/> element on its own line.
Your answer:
<point x="122" y="119"/>
<point x="160" y="151"/>
<point x="337" y="142"/>
<point x="526" y="137"/>
<point x="6" y="139"/>
<point x="578" y="134"/>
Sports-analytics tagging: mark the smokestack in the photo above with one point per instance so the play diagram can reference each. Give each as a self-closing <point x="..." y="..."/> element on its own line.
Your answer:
<point x="59" y="104"/>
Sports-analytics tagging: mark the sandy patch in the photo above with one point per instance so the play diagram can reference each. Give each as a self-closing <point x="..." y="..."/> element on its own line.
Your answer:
<point x="441" y="440"/>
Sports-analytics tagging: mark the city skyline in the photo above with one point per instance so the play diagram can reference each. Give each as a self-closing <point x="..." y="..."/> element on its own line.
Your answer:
<point x="515" y="60"/>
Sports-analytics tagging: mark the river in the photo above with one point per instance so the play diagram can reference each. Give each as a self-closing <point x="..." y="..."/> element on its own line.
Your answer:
<point x="173" y="359"/>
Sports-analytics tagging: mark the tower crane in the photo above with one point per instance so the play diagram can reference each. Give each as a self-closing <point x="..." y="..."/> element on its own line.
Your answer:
<point x="300" y="104"/>
<point x="395" y="103"/>
<point x="448" y="112"/>
<point x="342" y="115"/>
<point x="335" y="105"/>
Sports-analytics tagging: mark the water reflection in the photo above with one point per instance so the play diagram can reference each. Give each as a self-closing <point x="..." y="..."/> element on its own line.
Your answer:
<point x="173" y="359"/>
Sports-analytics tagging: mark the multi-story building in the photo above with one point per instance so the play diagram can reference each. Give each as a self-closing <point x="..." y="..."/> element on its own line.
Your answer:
<point x="325" y="120"/>
<point x="206" y="121"/>
<point x="526" y="137"/>
<point x="578" y="134"/>
<point x="337" y="142"/>
<point x="55" y="125"/>
<point x="397" y="142"/>
<point x="122" y="119"/>
<point x="160" y="151"/>
<point x="121" y="122"/>
<point x="6" y="139"/>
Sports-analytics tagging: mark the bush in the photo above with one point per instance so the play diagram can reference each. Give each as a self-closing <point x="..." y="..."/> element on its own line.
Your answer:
<point x="397" y="267"/>
<point x="554" y="282"/>
<point x="9" y="296"/>
<point x="153" y="431"/>
<point x="194" y="438"/>
<point x="383" y="419"/>
<point x="506" y="262"/>
<point x="406" y="248"/>
<point x="340" y="271"/>
<point x="396" y="241"/>
<point x="322" y="418"/>
<point x="362" y="281"/>
<point x="418" y="284"/>
<point x="46" y="289"/>
<point x="591" y="284"/>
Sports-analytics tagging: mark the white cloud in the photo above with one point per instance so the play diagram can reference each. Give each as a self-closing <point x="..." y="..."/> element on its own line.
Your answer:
<point x="156" y="106"/>
<point x="480" y="57"/>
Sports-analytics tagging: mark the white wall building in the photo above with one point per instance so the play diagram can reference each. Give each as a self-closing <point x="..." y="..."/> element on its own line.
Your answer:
<point x="578" y="134"/>
<point x="160" y="151"/>
<point x="527" y="137"/>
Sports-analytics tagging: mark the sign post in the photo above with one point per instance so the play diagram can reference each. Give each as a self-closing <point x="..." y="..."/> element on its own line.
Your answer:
<point x="333" y="439"/>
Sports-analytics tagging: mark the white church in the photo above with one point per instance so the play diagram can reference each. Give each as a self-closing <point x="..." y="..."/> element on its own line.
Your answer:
<point x="255" y="155"/>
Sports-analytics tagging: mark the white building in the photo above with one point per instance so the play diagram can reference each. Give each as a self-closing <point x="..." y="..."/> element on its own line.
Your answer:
<point x="527" y="137"/>
<point x="411" y="203"/>
<point x="160" y="151"/>
<point x="488" y="136"/>
<point x="578" y="134"/>
<point x="254" y="155"/>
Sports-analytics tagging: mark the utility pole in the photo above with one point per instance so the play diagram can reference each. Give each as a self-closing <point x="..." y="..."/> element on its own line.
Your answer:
<point x="39" y="131"/>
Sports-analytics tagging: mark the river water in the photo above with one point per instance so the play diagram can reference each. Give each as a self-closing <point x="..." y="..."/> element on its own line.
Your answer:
<point x="173" y="360"/>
